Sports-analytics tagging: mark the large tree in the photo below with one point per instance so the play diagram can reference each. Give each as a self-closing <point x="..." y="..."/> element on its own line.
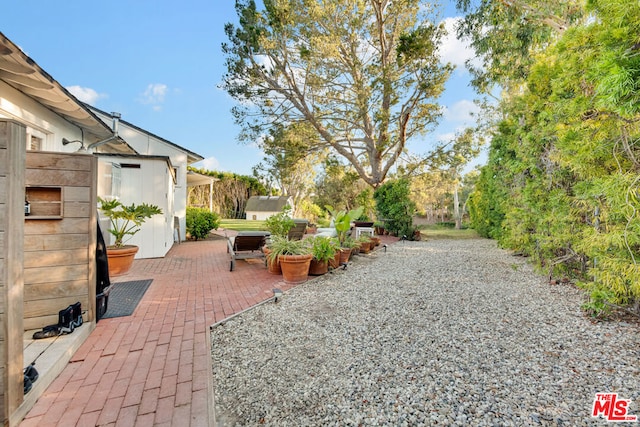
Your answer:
<point x="364" y="74"/>
<point x="506" y="35"/>
<point x="287" y="164"/>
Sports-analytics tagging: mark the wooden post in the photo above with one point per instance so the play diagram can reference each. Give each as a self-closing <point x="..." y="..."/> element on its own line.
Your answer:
<point x="12" y="201"/>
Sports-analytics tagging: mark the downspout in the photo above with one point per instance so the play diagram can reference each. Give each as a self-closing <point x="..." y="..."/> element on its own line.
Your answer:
<point x="116" y="122"/>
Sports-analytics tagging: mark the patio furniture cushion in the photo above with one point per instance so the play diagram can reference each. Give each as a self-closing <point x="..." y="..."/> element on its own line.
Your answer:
<point x="247" y="244"/>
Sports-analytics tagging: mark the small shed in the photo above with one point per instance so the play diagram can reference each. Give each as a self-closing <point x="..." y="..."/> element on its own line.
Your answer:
<point x="260" y="208"/>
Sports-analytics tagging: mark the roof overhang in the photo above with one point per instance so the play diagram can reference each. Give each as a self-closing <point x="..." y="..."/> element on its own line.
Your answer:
<point x="195" y="178"/>
<point x="23" y="74"/>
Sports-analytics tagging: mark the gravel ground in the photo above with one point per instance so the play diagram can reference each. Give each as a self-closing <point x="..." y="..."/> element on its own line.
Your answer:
<point x="443" y="332"/>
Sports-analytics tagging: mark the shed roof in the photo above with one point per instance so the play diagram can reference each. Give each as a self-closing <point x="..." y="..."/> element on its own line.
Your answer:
<point x="267" y="203"/>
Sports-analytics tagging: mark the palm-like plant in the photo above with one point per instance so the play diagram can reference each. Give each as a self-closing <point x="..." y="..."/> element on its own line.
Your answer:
<point x="342" y="221"/>
<point x="126" y="220"/>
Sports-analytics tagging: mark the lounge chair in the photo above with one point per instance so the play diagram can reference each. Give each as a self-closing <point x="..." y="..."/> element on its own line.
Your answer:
<point x="247" y="244"/>
<point x="298" y="230"/>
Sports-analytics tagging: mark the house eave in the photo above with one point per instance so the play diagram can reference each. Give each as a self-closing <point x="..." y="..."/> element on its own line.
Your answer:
<point x="23" y="74"/>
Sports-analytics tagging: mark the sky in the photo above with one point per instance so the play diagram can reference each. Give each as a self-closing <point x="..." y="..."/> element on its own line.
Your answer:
<point x="159" y="64"/>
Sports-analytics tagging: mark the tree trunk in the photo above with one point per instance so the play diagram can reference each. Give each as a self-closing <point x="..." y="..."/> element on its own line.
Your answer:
<point x="456" y="208"/>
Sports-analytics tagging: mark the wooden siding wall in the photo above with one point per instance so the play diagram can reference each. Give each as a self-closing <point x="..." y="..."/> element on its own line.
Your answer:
<point x="12" y="161"/>
<point x="59" y="254"/>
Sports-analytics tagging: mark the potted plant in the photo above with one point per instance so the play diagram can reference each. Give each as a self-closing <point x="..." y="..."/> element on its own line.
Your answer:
<point x="342" y="221"/>
<point x="365" y="244"/>
<point x="323" y="249"/>
<point x="294" y="257"/>
<point x="125" y="221"/>
<point x="278" y="225"/>
<point x="347" y="248"/>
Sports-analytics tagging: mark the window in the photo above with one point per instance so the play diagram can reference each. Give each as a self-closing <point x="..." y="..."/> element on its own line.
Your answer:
<point x="116" y="178"/>
<point x="34" y="144"/>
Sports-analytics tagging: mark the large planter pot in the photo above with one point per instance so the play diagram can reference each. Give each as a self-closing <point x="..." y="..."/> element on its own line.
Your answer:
<point x="295" y="268"/>
<point x="318" y="268"/>
<point x="345" y="254"/>
<point x="355" y="250"/>
<point x="121" y="259"/>
<point x="273" y="266"/>
<point x="365" y="247"/>
<point x="335" y="262"/>
<point x="376" y="241"/>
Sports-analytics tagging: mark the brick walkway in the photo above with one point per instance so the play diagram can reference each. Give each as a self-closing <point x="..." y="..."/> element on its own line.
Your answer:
<point x="153" y="368"/>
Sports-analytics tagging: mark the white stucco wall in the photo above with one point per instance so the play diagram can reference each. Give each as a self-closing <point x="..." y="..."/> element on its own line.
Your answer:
<point x="146" y="144"/>
<point x="259" y="215"/>
<point x="151" y="183"/>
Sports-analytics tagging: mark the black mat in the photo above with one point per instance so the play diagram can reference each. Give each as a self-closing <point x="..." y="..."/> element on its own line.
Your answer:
<point x="125" y="296"/>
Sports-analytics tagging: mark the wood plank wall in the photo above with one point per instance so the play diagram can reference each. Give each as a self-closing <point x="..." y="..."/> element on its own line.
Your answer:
<point x="59" y="254"/>
<point x="12" y="163"/>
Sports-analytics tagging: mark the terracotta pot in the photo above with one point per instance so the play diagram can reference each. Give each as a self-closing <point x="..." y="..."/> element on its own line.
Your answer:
<point x="345" y="254"/>
<point x="365" y="247"/>
<point x="120" y="259"/>
<point x="376" y="241"/>
<point x="318" y="268"/>
<point x="335" y="262"/>
<point x="273" y="266"/>
<point x="295" y="268"/>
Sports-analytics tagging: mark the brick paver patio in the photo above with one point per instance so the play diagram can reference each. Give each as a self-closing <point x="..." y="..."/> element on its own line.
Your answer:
<point x="153" y="368"/>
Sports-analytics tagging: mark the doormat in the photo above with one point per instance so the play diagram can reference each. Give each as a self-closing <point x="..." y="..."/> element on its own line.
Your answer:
<point x="124" y="297"/>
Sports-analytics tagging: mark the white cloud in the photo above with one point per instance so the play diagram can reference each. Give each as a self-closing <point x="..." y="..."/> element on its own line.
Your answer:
<point x="445" y="137"/>
<point x="154" y="95"/>
<point x="452" y="49"/>
<point x="463" y="111"/>
<point x="210" y="163"/>
<point x="85" y="94"/>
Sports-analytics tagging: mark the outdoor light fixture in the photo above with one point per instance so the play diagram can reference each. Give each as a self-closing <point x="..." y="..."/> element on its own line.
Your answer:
<point x="82" y="148"/>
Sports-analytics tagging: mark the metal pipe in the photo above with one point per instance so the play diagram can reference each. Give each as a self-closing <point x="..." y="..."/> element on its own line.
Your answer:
<point x="115" y="125"/>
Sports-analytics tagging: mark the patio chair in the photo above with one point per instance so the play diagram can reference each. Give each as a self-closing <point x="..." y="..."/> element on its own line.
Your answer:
<point x="247" y="244"/>
<point x="298" y="230"/>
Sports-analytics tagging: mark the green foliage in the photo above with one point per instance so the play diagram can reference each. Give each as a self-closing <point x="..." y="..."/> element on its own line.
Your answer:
<point x="310" y="211"/>
<point x="283" y="246"/>
<point x="338" y="185"/>
<point x="597" y="305"/>
<point x="394" y="205"/>
<point x="242" y="225"/>
<point x="324" y="248"/>
<point x="229" y="194"/>
<point x="562" y="182"/>
<point x="342" y="221"/>
<point x="290" y="162"/>
<point x="126" y="220"/>
<point x="364" y="76"/>
<point x="200" y="222"/>
<point x="280" y="223"/>
<point x="506" y="34"/>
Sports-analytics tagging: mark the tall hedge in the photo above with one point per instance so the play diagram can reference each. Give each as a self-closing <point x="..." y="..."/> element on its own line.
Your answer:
<point x="562" y="183"/>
